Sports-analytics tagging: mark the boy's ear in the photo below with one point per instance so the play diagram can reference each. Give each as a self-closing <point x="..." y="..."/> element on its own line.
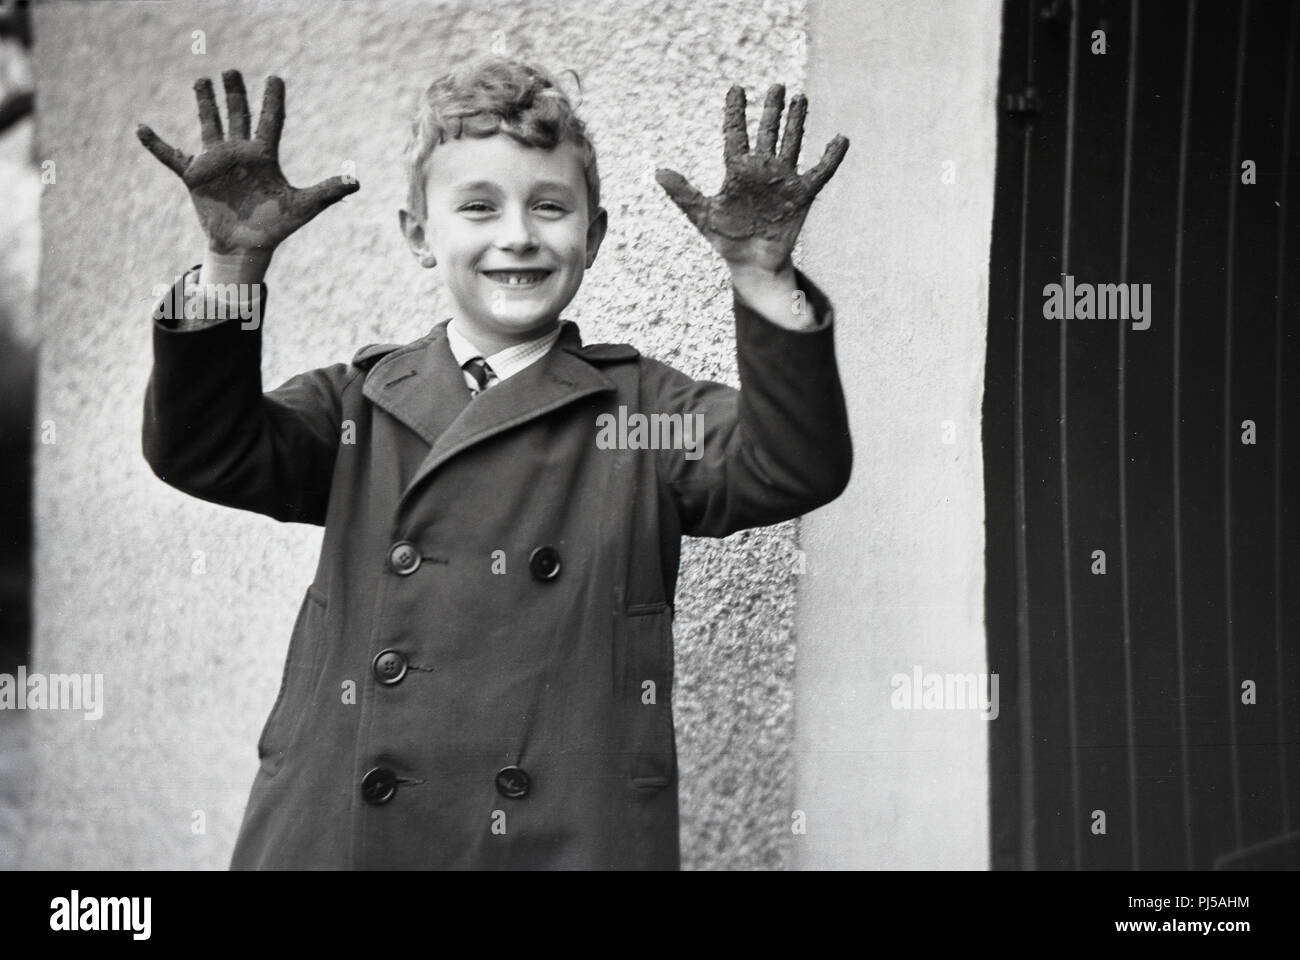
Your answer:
<point x="595" y="234"/>
<point x="413" y="231"/>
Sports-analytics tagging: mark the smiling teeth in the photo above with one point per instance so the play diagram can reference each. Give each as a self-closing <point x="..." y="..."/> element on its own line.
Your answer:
<point x="518" y="279"/>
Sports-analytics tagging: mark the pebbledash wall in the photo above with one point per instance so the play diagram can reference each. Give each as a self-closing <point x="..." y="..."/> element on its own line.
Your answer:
<point x="186" y="608"/>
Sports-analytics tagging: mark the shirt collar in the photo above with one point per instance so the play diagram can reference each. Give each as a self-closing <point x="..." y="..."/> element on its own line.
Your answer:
<point x="504" y="363"/>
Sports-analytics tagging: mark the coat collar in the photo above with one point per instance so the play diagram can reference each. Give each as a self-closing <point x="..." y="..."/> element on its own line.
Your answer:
<point x="422" y="386"/>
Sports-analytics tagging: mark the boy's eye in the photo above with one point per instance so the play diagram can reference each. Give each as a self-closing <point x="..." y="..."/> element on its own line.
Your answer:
<point x="549" y="208"/>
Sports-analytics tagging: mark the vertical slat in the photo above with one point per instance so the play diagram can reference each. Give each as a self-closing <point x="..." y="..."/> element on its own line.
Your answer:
<point x="1176" y="428"/>
<point x="1130" y="735"/>
<point x="1284" y="735"/>
<point x="1092" y="390"/>
<point x="1209" y="161"/>
<point x="1071" y="693"/>
<point x="1013" y="772"/>
<point x="1230" y="259"/>
<point x="1055" y="801"/>
<point x="1024" y="660"/>
<point x="1252" y="466"/>
<point x="1152" y="253"/>
<point x="1287" y="484"/>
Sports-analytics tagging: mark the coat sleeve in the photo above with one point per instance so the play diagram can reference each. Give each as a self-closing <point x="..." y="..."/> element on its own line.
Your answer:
<point x="210" y="431"/>
<point x="775" y="449"/>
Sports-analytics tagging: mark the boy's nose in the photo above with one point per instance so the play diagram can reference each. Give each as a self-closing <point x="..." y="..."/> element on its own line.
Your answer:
<point x="515" y="232"/>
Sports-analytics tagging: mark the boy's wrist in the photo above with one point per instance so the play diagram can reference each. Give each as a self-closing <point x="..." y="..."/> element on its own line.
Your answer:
<point x="227" y="285"/>
<point x="773" y="294"/>
<point x="235" y="266"/>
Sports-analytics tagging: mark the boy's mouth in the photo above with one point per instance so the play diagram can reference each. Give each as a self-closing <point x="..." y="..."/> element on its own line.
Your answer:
<point x="517" y="278"/>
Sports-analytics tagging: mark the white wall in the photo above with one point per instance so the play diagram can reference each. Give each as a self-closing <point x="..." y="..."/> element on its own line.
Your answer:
<point x="895" y="567"/>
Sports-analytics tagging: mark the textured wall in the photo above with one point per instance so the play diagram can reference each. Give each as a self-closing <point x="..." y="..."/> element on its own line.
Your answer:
<point x="895" y="575"/>
<point x="186" y="608"/>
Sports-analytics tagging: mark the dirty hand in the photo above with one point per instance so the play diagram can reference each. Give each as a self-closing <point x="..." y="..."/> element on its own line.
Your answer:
<point x="756" y="216"/>
<point x="243" y="200"/>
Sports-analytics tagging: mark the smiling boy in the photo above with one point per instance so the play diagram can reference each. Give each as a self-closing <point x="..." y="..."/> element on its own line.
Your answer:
<point x="510" y="226"/>
<point x="495" y="585"/>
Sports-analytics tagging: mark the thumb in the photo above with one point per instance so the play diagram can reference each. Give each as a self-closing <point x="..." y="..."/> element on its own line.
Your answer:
<point x="828" y="164"/>
<point x="175" y="160"/>
<point x="688" y="199"/>
<point x="314" y="199"/>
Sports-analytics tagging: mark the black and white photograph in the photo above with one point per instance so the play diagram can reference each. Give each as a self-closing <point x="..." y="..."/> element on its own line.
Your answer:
<point x="651" y="435"/>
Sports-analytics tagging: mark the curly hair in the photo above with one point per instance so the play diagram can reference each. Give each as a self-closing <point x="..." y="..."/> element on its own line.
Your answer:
<point x="490" y="96"/>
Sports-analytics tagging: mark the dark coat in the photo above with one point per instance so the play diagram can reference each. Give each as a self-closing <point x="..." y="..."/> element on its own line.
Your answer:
<point x="497" y="588"/>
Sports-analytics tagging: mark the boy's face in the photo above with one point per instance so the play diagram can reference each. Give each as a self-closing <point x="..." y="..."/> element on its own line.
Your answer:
<point x="508" y="225"/>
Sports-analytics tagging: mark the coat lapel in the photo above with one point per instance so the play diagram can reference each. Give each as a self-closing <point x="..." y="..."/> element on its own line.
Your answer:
<point x="425" y="389"/>
<point x="420" y="385"/>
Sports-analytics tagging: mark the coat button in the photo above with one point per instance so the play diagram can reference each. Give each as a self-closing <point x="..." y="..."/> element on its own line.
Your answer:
<point x="544" y="563"/>
<point x="378" y="786"/>
<point x="389" y="666"/>
<point x="404" y="558"/>
<point x="512" y="782"/>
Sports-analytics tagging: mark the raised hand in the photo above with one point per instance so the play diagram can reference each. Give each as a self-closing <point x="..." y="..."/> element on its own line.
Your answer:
<point x="754" y="219"/>
<point x="242" y="198"/>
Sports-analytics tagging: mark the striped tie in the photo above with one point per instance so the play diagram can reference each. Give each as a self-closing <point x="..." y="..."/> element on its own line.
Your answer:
<point x="478" y="369"/>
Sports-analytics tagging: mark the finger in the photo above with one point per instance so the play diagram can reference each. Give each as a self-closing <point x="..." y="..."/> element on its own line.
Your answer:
<point x="236" y="104"/>
<point x="209" y="118"/>
<point x="770" y="124"/>
<point x="793" y="137"/>
<point x="314" y="199"/>
<point x="689" y="200"/>
<point x="735" y="138"/>
<point x="271" y="121"/>
<point x="816" y="177"/>
<point x="175" y="160"/>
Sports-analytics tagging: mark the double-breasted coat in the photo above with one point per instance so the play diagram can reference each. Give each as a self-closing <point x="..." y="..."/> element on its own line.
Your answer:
<point x="496" y="584"/>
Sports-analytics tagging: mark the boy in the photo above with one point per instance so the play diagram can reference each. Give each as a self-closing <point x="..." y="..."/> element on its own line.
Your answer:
<point x="498" y="566"/>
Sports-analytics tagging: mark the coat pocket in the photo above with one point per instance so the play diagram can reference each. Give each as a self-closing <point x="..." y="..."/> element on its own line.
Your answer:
<point x="296" y="684"/>
<point x="646" y="693"/>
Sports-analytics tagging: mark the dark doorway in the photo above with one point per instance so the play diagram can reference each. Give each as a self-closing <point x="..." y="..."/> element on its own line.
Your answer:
<point x="1143" y="482"/>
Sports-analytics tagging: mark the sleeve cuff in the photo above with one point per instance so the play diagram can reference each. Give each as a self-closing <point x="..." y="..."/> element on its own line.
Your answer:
<point x="190" y="306"/>
<point x="813" y="299"/>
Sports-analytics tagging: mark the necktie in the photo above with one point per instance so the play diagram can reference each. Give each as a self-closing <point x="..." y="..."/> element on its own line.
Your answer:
<point x="478" y="369"/>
